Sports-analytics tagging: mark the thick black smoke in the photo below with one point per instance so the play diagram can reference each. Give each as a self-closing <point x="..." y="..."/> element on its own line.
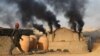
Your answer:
<point x="75" y="14"/>
<point x="74" y="10"/>
<point x="51" y="19"/>
<point x="40" y="28"/>
<point x="29" y="8"/>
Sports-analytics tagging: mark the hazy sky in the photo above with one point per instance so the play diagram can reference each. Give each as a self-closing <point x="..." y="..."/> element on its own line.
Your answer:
<point x="91" y="18"/>
<point x="92" y="15"/>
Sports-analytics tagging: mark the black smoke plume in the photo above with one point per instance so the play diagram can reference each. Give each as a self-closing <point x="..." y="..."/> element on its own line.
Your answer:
<point x="74" y="10"/>
<point x="29" y="8"/>
<point x="75" y="14"/>
<point x="51" y="19"/>
<point x="40" y="28"/>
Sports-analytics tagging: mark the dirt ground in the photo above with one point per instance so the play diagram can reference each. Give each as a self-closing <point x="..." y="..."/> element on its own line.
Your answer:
<point x="95" y="52"/>
<point x="5" y="42"/>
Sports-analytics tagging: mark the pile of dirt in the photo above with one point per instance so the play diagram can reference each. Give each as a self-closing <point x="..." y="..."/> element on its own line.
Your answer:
<point x="67" y="39"/>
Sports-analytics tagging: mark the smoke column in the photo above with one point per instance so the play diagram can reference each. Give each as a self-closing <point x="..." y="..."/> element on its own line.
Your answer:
<point x="40" y="28"/>
<point x="75" y="14"/>
<point x="74" y="10"/>
<point x="29" y="8"/>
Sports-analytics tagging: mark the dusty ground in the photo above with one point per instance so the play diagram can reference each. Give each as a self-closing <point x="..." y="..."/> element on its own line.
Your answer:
<point x="95" y="52"/>
<point x="4" y="46"/>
